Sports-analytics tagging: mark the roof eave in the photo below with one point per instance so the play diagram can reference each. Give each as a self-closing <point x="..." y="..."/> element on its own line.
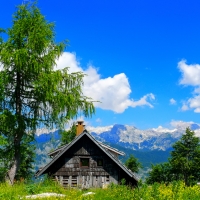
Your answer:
<point x="98" y="144"/>
<point x="58" y="156"/>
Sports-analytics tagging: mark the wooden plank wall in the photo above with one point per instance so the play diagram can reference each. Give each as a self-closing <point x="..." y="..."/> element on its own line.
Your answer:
<point x="68" y="172"/>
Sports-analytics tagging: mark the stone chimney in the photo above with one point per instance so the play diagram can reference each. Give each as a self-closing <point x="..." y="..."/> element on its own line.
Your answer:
<point x="79" y="127"/>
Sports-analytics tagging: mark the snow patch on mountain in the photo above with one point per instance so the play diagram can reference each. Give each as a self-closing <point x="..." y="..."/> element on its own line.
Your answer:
<point x="134" y="135"/>
<point x="163" y="130"/>
<point x="181" y="125"/>
<point x="197" y="132"/>
<point x="151" y="139"/>
<point x="99" y="129"/>
<point x="126" y="136"/>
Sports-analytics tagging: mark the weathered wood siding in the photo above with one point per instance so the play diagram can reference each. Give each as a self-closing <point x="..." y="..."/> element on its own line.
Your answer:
<point x="68" y="172"/>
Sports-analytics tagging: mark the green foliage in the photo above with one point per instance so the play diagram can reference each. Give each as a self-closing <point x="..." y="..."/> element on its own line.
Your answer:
<point x="145" y="157"/>
<point x="173" y="191"/>
<point x="160" y="173"/>
<point x="133" y="164"/>
<point x="27" y="158"/>
<point x="32" y="93"/>
<point x="26" y="170"/>
<point x="184" y="163"/>
<point x="123" y="181"/>
<point x="2" y="172"/>
<point x="68" y="136"/>
<point x="185" y="158"/>
<point x="45" y="185"/>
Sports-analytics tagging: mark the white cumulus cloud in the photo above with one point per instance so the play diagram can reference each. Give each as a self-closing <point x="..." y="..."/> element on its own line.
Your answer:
<point x="194" y="103"/>
<point x="190" y="73"/>
<point x="180" y="124"/>
<point x="98" y="120"/>
<point x="68" y="60"/>
<point x="112" y="92"/>
<point x="185" y="107"/>
<point x="191" y="77"/>
<point x="197" y="90"/>
<point x="172" y="101"/>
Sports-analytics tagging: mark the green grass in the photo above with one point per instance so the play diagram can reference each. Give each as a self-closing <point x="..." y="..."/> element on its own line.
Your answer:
<point x="174" y="191"/>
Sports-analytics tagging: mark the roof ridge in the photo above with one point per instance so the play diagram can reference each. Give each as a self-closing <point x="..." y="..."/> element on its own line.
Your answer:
<point x="121" y="165"/>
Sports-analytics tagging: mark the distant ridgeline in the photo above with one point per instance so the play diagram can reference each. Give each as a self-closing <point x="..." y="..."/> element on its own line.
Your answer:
<point x="149" y="146"/>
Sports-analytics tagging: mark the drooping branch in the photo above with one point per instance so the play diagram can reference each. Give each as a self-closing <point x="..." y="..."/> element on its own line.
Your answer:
<point x="31" y="92"/>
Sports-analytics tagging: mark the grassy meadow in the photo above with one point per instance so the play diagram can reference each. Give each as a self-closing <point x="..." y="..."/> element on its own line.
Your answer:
<point x="175" y="191"/>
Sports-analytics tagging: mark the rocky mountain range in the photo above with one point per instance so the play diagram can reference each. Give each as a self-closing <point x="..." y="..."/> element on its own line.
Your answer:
<point x="150" y="146"/>
<point x="142" y="140"/>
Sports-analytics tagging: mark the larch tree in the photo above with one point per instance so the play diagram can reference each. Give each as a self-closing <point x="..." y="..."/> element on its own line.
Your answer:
<point x="32" y="93"/>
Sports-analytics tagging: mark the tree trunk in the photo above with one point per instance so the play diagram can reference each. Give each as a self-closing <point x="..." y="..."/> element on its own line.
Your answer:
<point x="15" y="163"/>
<point x="19" y="133"/>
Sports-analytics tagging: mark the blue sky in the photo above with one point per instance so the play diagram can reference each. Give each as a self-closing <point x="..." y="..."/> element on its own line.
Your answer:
<point x="142" y="56"/>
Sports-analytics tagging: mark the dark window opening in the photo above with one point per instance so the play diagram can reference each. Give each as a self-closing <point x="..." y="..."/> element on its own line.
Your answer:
<point x="84" y="162"/>
<point x="99" y="162"/>
<point x="65" y="181"/>
<point x="74" y="181"/>
<point x="107" y="178"/>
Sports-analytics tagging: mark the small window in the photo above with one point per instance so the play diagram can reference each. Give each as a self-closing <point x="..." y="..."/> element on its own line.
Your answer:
<point x="99" y="162"/>
<point x="107" y="178"/>
<point x="74" y="181"/>
<point x="84" y="162"/>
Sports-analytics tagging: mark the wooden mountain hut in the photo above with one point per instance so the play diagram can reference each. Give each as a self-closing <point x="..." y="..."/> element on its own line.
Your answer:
<point x="86" y="163"/>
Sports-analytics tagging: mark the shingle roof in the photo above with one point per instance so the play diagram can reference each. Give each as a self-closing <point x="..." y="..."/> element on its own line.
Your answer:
<point x="57" y="150"/>
<point x="102" y="144"/>
<point x="64" y="148"/>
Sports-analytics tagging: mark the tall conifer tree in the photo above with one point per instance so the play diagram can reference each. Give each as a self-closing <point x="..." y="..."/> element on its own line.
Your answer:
<point x="185" y="158"/>
<point x="184" y="163"/>
<point x="32" y="93"/>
